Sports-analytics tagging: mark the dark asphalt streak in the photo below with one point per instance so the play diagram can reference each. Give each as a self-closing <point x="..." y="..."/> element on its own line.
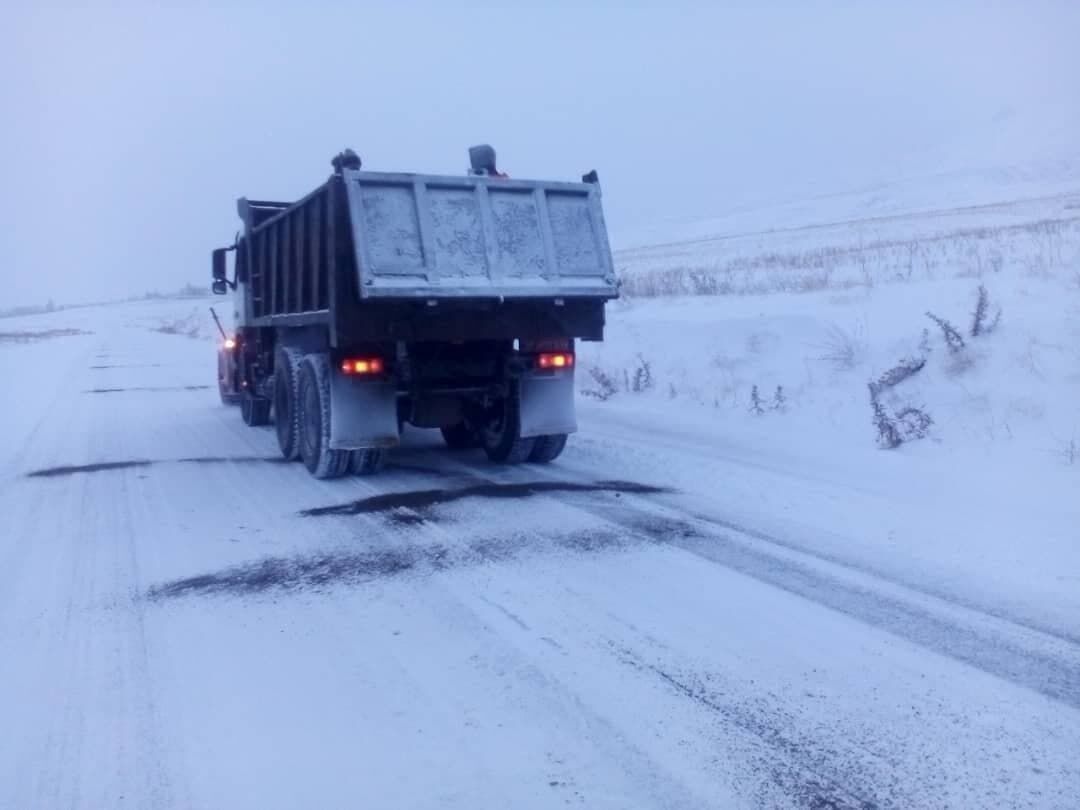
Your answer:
<point x="136" y="365"/>
<point x="419" y="500"/>
<point x="161" y="389"/>
<point x="105" y="466"/>
<point x="51" y="472"/>
<point x="320" y="571"/>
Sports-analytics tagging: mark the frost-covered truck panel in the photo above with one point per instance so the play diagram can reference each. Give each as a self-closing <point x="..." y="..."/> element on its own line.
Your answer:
<point x="442" y="301"/>
<point x="423" y="236"/>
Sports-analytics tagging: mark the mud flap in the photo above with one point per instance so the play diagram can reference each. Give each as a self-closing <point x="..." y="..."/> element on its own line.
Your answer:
<point x="547" y="404"/>
<point x="363" y="413"/>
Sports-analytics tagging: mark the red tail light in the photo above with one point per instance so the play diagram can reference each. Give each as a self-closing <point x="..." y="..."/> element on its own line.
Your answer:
<point x="362" y="366"/>
<point x="555" y="360"/>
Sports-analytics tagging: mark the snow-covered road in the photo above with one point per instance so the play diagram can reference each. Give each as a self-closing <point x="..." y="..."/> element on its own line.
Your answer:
<point x="187" y="622"/>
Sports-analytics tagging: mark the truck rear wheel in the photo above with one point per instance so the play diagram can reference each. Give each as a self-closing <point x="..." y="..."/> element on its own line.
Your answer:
<point x="255" y="411"/>
<point x="286" y="400"/>
<point x="313" y="395"/>
<point x="547" y="448"/>
<point x="367" y="462"/>
<point x="460" y="437"/>
<point x="501" y="437"/>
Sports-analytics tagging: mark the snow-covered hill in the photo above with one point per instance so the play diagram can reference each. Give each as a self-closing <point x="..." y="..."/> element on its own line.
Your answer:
<point x="1017" y="155"/>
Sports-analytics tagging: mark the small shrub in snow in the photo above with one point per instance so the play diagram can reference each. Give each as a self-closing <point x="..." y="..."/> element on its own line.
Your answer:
<point x="979" y="323"/>
<point x="913" y="423"/>
<point x="755" y="402"/>
<point x="605" y="388"/>
<point x="842" y="350"/>
<point x="953" y="339"/>
<point x="779" y="402"/>
<point x="888" y="437"/>
<point x="908" y="367"/>
<point x="643" y="378"/>
<point x="907" y="424"/>
<point x="671" y="392"/>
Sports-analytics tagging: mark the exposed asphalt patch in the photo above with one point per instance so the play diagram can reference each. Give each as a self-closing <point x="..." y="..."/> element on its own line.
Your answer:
<point x="104" y="466"/>
<point x="136" y="365"/>
<point x="50" y="472"/>
<point x="147" y="388"/>
<point x="39" y="334"/>
<point x="320" y="571"/>
<point x="419" y="500"/>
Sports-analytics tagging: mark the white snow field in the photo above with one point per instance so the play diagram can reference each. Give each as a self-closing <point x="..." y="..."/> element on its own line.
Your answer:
<point x="696" y="606"/>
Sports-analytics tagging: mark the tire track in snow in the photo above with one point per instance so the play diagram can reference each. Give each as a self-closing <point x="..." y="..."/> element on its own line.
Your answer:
<point x="801" y="771"/>
<point x="1028" y="657"/>
<point x="606" y="434"/>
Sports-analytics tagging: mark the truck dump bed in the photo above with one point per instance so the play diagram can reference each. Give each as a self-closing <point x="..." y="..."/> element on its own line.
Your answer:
<point x="367" y="236"/>
<point x="427" y="236"/>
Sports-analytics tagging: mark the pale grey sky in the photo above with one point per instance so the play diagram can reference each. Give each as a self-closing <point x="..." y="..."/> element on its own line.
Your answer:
<point x="130" y="129"/>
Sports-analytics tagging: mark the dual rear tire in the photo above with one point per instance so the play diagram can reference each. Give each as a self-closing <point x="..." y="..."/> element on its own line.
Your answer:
<point x="286" y="413"/>
<point x="302" y="395"/>
<point x="502" y="440"/>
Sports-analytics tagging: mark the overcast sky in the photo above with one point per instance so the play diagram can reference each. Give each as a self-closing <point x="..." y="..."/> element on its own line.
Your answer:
<point x="128" y="130"/>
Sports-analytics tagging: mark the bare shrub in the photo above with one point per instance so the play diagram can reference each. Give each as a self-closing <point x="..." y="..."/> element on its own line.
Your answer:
<point x="906" y="368"/>
<point x="953" y="339"/>
<point x="779" y="402"/>
<point x="979" y="323"/>
<point x="605" y="385"/>
<point x="841" y="349"/>
<point x="907" y="424"/>
<point x="913" y="423"/>
<point x="643" y="377"/>
<point x="888" y="437"/>
<point x="756" y="407"/>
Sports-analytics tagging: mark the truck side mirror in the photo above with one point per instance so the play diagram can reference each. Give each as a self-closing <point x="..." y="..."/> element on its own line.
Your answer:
<point x="218" y="269"/>
<point x="219" y="287"/>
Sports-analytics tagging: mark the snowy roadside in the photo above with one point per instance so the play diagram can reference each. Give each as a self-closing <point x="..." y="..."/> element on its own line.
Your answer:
<point x="769" y="396"/>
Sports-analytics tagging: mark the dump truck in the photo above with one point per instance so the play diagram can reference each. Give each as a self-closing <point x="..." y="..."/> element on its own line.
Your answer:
<point x="451" y="302"/>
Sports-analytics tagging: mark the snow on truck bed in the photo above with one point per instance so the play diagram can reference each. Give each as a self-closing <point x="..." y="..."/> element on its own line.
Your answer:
<point x="698" y="605"/>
